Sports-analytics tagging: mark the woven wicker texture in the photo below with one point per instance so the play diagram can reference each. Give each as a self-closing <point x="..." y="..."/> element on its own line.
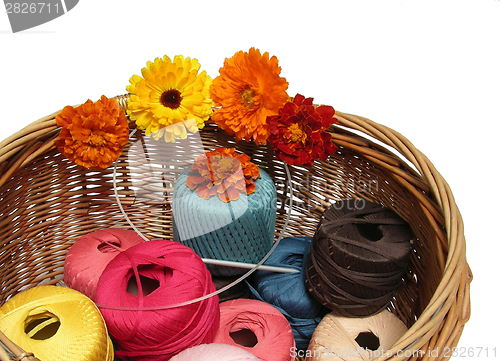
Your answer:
<point x="46" y="203"/>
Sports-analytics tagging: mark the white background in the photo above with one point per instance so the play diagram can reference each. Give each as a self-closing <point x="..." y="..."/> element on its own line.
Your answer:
<point x="429" y="69"/>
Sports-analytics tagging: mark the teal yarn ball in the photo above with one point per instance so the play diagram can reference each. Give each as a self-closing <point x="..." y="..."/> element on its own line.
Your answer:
<point x="240" y="230"/>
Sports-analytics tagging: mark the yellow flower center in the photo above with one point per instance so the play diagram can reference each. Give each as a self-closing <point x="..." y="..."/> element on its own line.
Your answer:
<point x="225" y="167"/>
<point x="97" y="140"/>
<point x="297" y="134"/>
<point x="171" y="99"/>
<point x="246" y="96"/>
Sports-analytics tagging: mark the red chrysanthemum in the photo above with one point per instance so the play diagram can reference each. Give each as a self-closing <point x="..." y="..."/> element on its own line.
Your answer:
<point x="93" y="134"/>
<point x="224" y="173"/>
<point x="298" y="133"/>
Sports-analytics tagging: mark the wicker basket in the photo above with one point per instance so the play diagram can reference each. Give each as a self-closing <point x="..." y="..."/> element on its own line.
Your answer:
<point x="46" y="203"/>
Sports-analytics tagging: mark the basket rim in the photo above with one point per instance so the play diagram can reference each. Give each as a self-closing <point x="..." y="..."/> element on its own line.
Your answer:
<point x="455" y="282"/>
<point x="452" y="296"/>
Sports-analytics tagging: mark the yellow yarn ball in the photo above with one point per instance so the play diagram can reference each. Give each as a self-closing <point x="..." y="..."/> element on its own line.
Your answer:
<point x="56" y="324"/>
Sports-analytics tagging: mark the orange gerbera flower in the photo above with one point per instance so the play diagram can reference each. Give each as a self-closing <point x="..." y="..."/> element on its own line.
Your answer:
<point x="224" y="173"/>
<point x="93" y="134"/>
<point x="247" y="91"/>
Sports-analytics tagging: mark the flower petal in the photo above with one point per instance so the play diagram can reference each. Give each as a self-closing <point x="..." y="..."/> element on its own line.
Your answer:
<point x="298" y="134"/>
<point x="93" y="134"/>
<point x="223" y="172"/>
<point x="145" y="105"/>
<point x="248" y="90"/>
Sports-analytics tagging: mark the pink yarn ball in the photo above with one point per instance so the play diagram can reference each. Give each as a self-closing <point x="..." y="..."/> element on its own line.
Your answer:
<point x="215" y="352"/>
<point x="180" y="275"/>
<point x="272" y="338"/>
<point x="90" y="254"/>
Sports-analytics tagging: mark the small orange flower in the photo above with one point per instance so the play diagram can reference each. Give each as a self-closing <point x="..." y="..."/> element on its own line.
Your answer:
<point x="93" y="134"/>
<point x="224" y="173"/>
<point x="247" y="91"/>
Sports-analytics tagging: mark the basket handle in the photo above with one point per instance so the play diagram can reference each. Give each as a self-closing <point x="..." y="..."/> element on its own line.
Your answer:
<point x="19" y="353"/>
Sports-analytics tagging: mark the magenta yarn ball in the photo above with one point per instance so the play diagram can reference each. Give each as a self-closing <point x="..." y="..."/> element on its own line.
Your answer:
<point x="145" y="280"/>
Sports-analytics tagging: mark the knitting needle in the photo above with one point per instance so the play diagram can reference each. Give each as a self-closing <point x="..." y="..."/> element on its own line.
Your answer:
<point x="209" y="260"/>
<point x="219" y="262"/>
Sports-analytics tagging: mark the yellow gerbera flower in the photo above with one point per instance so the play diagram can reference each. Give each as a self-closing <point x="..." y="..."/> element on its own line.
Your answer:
<point x="170" y="98"/>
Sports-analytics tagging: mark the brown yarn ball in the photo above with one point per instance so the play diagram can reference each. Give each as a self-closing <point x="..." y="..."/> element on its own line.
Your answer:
<point x="358" y="257"/>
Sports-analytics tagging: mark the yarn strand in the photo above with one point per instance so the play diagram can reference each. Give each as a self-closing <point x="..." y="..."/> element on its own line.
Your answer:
<point x="358" y="258"/>
<point x="225" y="288"/>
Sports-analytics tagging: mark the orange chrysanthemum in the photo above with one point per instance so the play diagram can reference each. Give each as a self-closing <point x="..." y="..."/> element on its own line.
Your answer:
<point x="93" y="134"/>
<point x="247" y="91"/>
<point x="224" y="173"/>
